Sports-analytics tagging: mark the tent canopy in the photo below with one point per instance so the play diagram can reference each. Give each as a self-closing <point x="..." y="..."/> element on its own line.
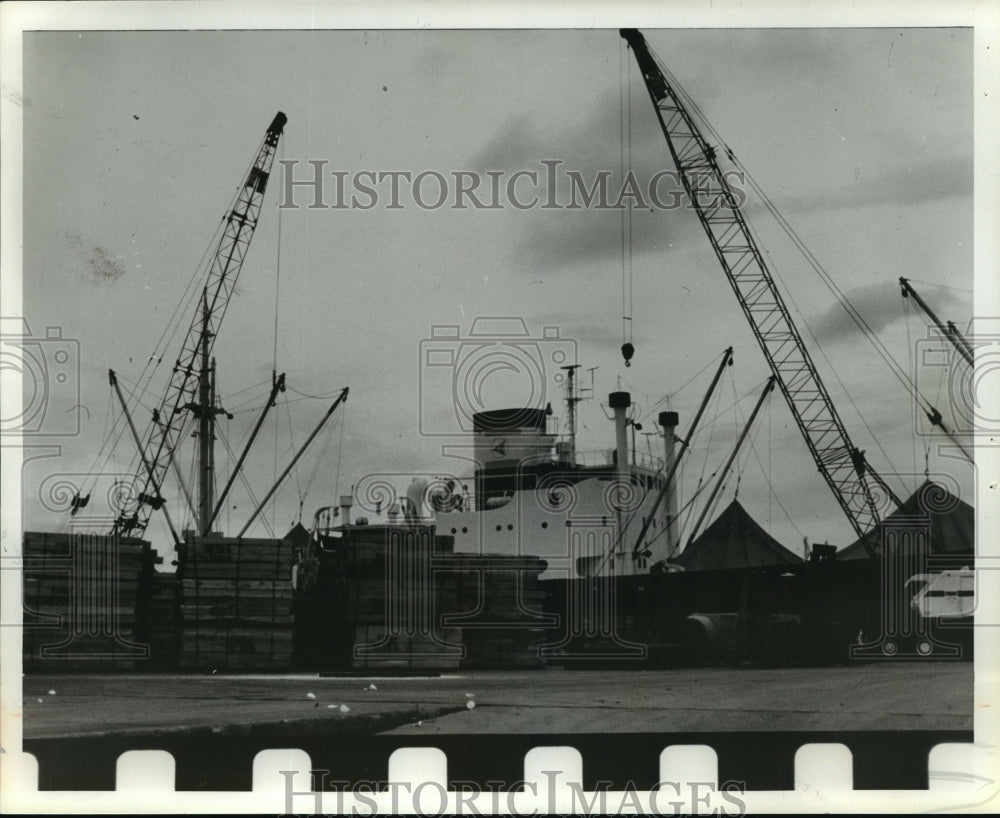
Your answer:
<point x="734" y="540"/>
<point x="951" y="521"/>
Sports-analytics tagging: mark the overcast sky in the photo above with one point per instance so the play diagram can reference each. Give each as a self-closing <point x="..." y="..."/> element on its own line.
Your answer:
<point x="136" y="141"/>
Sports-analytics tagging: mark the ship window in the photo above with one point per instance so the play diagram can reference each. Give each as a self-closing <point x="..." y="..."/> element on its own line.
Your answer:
<point x="510" y="527"/>
<point x="454" y="531"/>
<point x="499" y="528"/>
<point x="465" y="530"/>
<point x="545" y="525"/>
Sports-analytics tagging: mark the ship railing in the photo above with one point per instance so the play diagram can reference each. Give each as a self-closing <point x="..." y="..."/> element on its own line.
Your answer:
<point x="601" y="457"/>
<point x="606" y="457"/>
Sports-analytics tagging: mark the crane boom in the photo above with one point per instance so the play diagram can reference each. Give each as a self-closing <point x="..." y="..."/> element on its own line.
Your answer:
<point x="949" y="330"/>
<point x="842" y="464"/>
<point x="182" y="392"/>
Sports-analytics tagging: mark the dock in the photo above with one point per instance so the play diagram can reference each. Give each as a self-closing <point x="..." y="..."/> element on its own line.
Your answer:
<point x="215" y="724"/>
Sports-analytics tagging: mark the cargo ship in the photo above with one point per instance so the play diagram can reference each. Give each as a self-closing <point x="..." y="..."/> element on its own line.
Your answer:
<point x="533" y="495"/>
<point x="584" y="546"/>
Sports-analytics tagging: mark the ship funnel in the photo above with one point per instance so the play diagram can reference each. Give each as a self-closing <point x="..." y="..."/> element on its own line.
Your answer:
<point x="346" y="502"/>
<point x="508" y="444"/>
<point x="620" y="403"/>
<point x="669" y="421"/>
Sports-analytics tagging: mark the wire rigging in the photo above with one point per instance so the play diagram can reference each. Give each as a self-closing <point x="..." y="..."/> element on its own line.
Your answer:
<point x="818" y="268"/>
<point x="277" y="277"/>
<point x="247" y="486"/>
<point x="625" y="165"/>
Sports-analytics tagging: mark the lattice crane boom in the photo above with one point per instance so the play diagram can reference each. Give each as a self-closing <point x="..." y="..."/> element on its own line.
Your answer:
<point x="842" y="464"/>
<point x="183" y="393"/>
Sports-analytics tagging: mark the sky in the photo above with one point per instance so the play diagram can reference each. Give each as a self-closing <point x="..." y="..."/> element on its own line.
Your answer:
<point x="134" y="143"/>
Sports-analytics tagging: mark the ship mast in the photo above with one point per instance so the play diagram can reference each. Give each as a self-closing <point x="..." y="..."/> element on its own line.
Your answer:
<point x="189" y="390"/>
<point x="206" y="429"/>
<point x="572" y="399"/>
<point x="205" y="411"/>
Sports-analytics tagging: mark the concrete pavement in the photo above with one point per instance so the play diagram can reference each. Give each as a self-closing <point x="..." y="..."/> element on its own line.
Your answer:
<point x="890" y="696"/>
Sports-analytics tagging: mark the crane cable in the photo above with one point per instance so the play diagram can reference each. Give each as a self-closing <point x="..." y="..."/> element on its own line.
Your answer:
<point x="794" y="238"/>
<point x="909" y="345"/>
<point x="246" y="483"/>
<point x="910" y="365"/>
<point x="901" y="375"/>
<point x="192" y="291"/>
<point x="174" y="323"/>
<point x="720" y="477"/>
<point x="340" y="453"/>
<point x="693" y="105"/>
<point x="277" y="272"/>
<point x="625" y="161"/>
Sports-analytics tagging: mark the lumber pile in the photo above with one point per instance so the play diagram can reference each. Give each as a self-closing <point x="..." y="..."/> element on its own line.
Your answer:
<point x="497" y="602"/>
<point x="386" y="592"/>
<point x="236" y="604"/>
<point x="376" y="648"/>
<point x="411" y="603"/>
<point x="163" y="621"/>
<point x="81" y="595"/>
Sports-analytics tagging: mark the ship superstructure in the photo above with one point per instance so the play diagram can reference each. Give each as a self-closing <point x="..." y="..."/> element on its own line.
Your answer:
<point x="534" y="495"/>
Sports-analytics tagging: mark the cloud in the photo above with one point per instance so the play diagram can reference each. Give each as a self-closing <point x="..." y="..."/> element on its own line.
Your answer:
<point x="587" y="145"/>
<point x="880" y="306"/>
<point x="564" y="237"/>
<point x="908" y="184"/>
<point x="586" y="334"/>
<point x="561" y="238"/>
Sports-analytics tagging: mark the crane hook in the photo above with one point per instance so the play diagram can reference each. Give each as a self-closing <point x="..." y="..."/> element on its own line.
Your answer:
<point x="627" y="352"/>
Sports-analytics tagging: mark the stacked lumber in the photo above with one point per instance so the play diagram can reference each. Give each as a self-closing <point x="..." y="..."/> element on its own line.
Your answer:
<point x="81" y="592"/>
<point x="498" y="603"/>
<point x="236" y="604"/>
<point x="594" y="626"/>
<point x="387" y="594"/>
<point x="503" y="647"/>
<point x="376" y="648"/>
<point x="397" y="597"/>
<point x="163" y="621"/>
